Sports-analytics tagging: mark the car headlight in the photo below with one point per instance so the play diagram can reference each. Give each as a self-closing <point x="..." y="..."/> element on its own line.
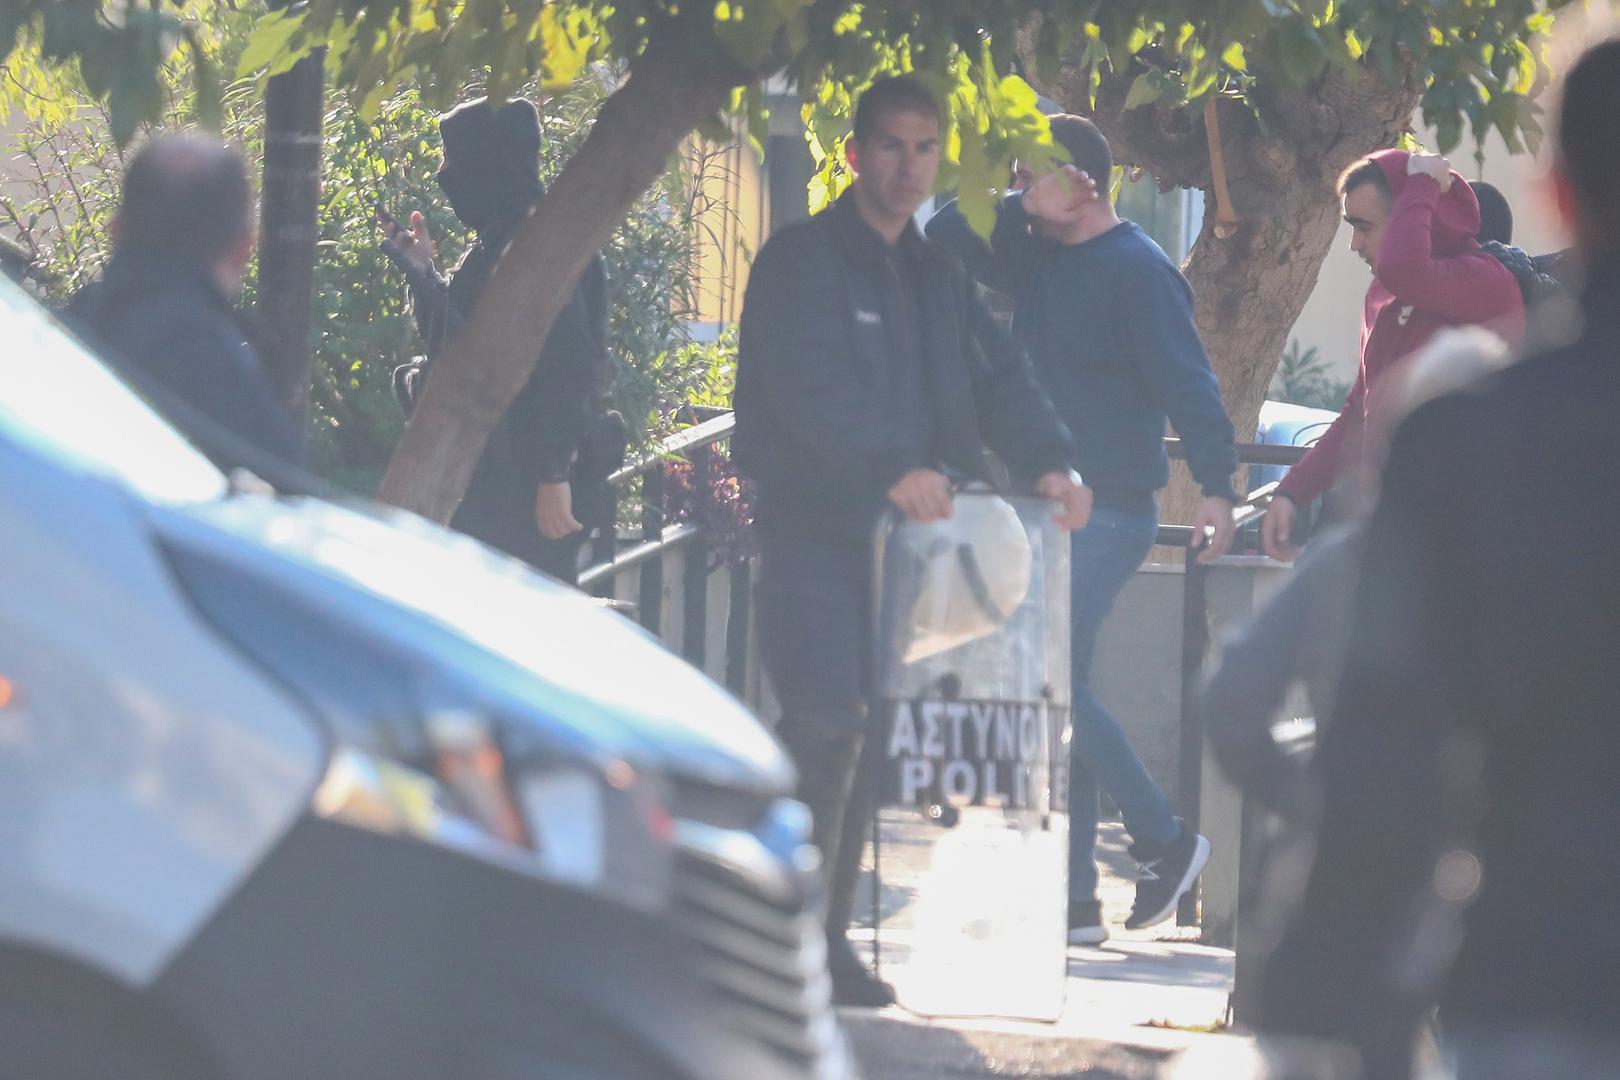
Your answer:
<point x="602" y="829"/>
<point x="410" y="758"/>
<point x="609" y="830"/>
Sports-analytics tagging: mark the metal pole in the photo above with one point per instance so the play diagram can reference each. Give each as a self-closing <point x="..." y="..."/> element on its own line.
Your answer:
<point x="1194" y="645"/>
<point x="651" y="605"/>
<point x="737" y="627"/>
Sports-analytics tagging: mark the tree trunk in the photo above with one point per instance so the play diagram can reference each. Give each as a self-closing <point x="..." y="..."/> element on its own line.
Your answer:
<point x="293" y="107"/>
<point x="1251" y="287"/>
<point x="669" y="92"/>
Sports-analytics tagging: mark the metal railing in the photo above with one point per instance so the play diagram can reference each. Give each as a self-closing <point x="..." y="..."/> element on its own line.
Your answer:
<point x="658" y="539"/>
<point x="1195" y="636"/>
<point x="614" y="556"/>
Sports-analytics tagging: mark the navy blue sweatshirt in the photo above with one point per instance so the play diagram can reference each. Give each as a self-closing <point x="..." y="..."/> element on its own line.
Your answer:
<point x="1109" y="326"/>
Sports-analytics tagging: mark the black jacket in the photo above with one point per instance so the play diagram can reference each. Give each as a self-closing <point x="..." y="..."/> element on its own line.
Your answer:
<point x="169" y="319"/>
<point x="812" y="428"/>
<point x="541" y="433"/>
<point x="550" y="433"/>
<point x="1478" y="712"/>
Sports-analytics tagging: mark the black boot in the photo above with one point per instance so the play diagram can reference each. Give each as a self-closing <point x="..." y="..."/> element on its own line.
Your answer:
<point x="853" y="983"/>
<point x="825" y="761"/>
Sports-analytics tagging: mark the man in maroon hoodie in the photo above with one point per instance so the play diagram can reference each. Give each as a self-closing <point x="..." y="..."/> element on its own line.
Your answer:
<point x="1416" y="224"/>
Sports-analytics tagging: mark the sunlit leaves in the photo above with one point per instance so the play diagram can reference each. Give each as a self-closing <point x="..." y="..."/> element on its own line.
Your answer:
<point x="1475" y="61"/>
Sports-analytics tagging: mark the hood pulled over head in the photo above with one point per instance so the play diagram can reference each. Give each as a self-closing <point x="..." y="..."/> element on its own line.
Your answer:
<point x="491" y="170"/>
<point x="1456" y="215"/>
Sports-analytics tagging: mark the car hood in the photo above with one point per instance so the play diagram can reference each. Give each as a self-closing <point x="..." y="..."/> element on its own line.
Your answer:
<point x="571" y="665"/>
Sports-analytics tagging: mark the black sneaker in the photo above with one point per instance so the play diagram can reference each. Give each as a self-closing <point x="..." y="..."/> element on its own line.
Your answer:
<point x="852" y="981"/>
<point x="1086" y="924"/>
<point x="1166" y="874"/>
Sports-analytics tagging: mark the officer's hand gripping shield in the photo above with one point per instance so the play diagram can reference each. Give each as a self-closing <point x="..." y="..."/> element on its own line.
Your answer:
<point x="972" y="711"/>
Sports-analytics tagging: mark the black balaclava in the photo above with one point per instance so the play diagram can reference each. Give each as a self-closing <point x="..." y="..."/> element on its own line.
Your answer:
<point x="491" y="170"/>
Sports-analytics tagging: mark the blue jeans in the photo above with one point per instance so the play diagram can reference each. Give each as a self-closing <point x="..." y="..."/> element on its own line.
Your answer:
<point x="1106" y="553"/>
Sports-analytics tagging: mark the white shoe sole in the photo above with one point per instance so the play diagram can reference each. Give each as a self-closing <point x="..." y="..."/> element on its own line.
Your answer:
<point x="1194" y="868"/>
<point x="1088" y="935"/>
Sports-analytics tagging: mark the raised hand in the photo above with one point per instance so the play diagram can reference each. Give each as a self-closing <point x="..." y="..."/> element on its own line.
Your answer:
<point x="1060" y="196"/>
<point x="1434" y="165"/>
<point x="411" y="247"/>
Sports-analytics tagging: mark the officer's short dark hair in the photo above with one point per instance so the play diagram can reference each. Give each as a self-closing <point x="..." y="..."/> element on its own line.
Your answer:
<point x="1495" y="215"/>
<point x="187" y="196"/>
<point x="1365" y="171"/>
<point x="892" y="94"/>
<point x="1087" y="148"/>
<point x="1589" y="140"/>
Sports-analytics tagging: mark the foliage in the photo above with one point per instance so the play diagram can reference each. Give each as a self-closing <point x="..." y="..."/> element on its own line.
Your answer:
<point x="707" y="492"/>
<point x="1476" y="60"/>
<point x="69" y="171"/>
<point x="120" y="52"/>
<point x="1303" y="378"/>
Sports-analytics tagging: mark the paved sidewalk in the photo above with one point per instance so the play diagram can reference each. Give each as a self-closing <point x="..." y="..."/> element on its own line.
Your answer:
<point x="1130" y="1004"/>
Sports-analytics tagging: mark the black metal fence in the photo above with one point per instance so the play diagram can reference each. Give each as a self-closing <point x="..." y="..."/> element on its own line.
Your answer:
<point x="641" y="484"/>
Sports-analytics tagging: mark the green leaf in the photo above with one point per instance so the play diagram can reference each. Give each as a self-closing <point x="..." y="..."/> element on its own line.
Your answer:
<point x="269" y="43"/>
<point x="1145" y="90"/>
<point x="1235" y="58"/>
<point x="1409" y="142"/>
<point x="759" y="120"/>
<point x="210" y="108"/>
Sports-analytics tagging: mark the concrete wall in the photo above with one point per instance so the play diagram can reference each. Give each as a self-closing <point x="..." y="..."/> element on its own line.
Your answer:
<point x="1137" y="676"/>
<point x="1137" y="670"/>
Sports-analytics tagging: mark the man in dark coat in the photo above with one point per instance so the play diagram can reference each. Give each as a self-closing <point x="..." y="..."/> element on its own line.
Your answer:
<point x="182" y="240"/>
<point x="1472" y="774"/>
<point x="867" y="368"/>
<point x="543" y="472"/>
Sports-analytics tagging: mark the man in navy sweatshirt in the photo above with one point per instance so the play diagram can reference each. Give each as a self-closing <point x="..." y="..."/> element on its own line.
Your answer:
<point x="1108" y="322"/>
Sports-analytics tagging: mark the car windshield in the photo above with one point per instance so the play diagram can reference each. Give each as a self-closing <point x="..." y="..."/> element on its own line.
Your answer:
<point x="60" y="400"/>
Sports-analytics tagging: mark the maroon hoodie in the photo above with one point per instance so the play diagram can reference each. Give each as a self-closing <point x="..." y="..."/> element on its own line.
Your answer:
<point x="1431" y="273"/>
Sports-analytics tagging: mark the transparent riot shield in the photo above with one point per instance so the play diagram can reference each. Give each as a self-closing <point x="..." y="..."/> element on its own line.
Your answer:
<point x="970" y="837"/>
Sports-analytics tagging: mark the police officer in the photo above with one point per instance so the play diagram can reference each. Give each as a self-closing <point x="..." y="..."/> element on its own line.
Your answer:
<point x="868" y="371"/>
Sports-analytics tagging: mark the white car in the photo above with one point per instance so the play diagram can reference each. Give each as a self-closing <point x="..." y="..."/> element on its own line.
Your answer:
<point x="296" y="789"/>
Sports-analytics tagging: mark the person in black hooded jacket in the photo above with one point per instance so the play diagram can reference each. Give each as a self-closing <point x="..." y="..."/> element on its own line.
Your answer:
<point x="541" y="481"/>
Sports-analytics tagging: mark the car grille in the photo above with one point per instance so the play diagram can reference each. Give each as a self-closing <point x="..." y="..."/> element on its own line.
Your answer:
<point x="761" y="952"/>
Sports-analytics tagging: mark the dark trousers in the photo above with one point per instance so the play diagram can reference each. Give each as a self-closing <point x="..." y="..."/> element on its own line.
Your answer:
<point x="815" y="634"/>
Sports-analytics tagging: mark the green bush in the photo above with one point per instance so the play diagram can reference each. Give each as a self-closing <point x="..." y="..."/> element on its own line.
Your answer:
<point x="362" y="328"/>
<point x="1303" y="379"/>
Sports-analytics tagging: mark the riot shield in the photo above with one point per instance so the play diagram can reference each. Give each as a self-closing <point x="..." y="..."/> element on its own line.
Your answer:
<point x="970" y="837"/>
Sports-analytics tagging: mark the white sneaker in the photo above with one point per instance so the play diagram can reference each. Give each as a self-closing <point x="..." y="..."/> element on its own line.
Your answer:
<point x="1088" y="935"/>
<point x="1086" y="924"/>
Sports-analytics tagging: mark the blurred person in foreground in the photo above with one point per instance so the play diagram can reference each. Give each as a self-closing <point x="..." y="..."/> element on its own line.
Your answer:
<point x="1299" y="635"/>
<point x="1298" y="639"/>
<point x="1415" y="222"/>
<point x="868" y="368"/>
<point x="1471" y="779"/>
<point x="182" y="240"/>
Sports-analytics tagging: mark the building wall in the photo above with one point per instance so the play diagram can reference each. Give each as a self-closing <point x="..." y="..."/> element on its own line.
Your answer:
<point x="734" y="209"/>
